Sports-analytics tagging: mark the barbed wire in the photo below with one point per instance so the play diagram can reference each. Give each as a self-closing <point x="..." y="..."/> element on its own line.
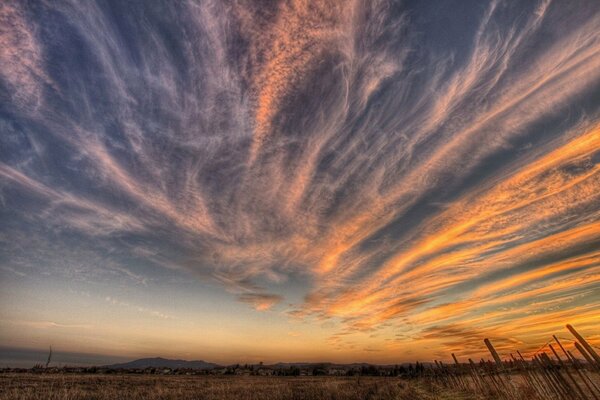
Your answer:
<point x="530" y="354"/>
<point x="541" y="348"/>
<point x="573" y="340"/>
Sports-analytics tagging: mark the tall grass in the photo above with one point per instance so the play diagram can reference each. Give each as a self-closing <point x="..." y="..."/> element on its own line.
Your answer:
<point x="137" y="387"/>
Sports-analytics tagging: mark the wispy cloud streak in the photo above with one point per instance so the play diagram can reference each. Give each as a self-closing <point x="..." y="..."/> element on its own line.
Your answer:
<point x="397" y="165"/>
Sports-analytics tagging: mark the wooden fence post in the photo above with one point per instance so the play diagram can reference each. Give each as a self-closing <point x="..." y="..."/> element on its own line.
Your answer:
<point x="462" y="381"/>
<point x="526" y="376"/>
<point x="585" y="374"/>
<point x="563" y="366"/>
<point x="586" y="356"/>
<point x="544" y="376"/>
<point x="477" y="378"/>
<point x="573" y="362"/>
<point x="585" y="344"/>
<point x="560" y="380"/>
<point x="493" y="351"/>
<point x="549" y="377"/>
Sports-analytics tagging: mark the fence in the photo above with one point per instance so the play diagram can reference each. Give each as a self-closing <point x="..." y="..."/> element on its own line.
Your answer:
<point x="552" y="373"/>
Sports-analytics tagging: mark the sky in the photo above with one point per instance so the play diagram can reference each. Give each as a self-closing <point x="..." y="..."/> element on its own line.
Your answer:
<point x="242" y="181"/>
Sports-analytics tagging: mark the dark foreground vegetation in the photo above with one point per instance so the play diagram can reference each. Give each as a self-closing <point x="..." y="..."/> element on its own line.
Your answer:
<point x="30" y="386"/>
<point x="553" y="372"/>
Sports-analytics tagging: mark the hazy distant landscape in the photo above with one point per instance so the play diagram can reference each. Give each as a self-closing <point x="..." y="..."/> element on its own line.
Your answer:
<point x="544" y="375"/>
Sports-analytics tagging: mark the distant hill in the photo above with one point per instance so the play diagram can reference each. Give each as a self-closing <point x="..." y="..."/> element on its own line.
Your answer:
<point x="330" y="364"/>
<point x="316" y="364"/>
<point x="159" y="362"/>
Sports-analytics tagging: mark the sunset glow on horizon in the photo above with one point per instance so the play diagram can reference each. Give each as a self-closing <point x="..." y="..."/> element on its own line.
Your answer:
<point x="349" y="181"/>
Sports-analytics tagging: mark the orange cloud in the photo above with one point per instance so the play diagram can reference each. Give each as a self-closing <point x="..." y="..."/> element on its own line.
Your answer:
<point x="260" y="301"/>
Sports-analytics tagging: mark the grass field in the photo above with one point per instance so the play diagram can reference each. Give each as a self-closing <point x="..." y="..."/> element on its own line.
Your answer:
<point x="104" y="387"/>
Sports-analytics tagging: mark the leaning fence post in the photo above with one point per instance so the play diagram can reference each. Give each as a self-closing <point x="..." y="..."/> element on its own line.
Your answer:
<point x="538" y="379"/>
<point x="537" y="376"/>
<point x="493" y="351"/>
<point x="551" y="378"/>
<point x="562" y="365"/>
<point x="586" y="356"/>
<point x="510" y="386"/>
<point x="573" y="362"/>
<point x="525" y="374"/>
<point x="560" y="380"/>
<point x="496" y="380"/>
<point x="584" y="373"/>
<point x="443" y="378"/>
<point x="585" y="344"/>
<point x="461" y="378"/>
<point x="477" y="378"/>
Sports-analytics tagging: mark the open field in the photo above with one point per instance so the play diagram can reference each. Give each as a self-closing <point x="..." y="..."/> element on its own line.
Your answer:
<point x="544" y="376"/>
<point x="104" y="387"/>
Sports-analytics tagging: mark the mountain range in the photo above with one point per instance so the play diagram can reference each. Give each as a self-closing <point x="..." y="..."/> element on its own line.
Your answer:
<point x="159" y="362"/>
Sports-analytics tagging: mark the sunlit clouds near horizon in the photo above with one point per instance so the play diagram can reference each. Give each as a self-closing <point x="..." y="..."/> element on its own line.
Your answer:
<point x="298" y="180"/>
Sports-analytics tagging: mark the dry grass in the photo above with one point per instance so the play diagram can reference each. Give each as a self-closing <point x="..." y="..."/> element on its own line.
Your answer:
<point x="101" y="387"/>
